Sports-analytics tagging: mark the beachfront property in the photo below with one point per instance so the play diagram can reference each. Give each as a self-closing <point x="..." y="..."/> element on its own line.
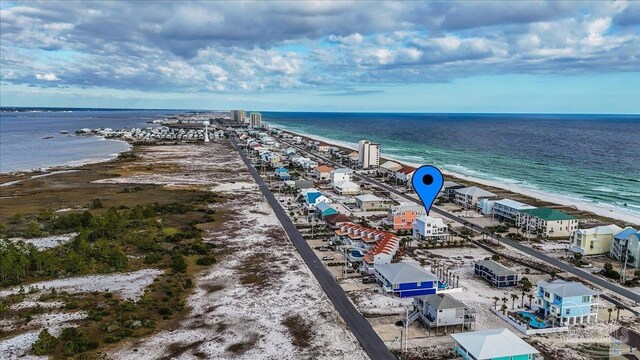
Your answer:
<point x="323" y="210"/>
<point x="546" y="222"/>
<point x="468" y="197"/>
<point x="402" y="217"/>
<point x="493" y="344"/>
<point x="431" y="229"/>
<point x="389" y="168"/>
<point x="282" y="174"/>
<point x="507" y="209"/>
<point x="323" y="147"/>
<point x="237" y="116"/>
<point x="448" y="190"/>
<point x="255" y="120"/>
<point x="495" y="273"/>
<point x="438" y="310"/>
<point x="353" y="158"/>
<point x="594" y="241"/>
<point x="626" y="247"/>
<point x="368" y="154"/>
<point x="405" y="174"/>
<point x="369" y="202"/>
<point x="625" y="344"/>
<point x="312" y="198"/>
<point x="569" y="302"/>
<point x="485" y="205"/>
<point x="323" y="172"/>
<point x="406" y="279"/>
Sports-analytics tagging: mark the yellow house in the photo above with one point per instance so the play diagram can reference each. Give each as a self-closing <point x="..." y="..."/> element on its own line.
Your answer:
<point x="594" y="241"/>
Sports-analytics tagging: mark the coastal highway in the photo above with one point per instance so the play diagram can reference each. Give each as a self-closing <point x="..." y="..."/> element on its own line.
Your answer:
<point x="361" y="328"/>
<point x="631" y="295"/>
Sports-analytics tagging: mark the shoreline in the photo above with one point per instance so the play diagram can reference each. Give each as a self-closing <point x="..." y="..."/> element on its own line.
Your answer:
<point x="69" y="165"/>
<point x="599" y="210"/>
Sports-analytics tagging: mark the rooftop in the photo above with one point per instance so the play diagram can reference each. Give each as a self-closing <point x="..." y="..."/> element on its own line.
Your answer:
<point x="337" y="218"/>
<point x="493" y="343"/>
<point x="342" y="171"/>
<point x="624" y="234"/>
<point x="399" y="273"/>
<point x="475" y="191"/>
<point x="442" y="301"/>
<point x="566" y="288"/>
<point x="495" y="267"/>
<point x="601" y="230"/>
<point x="548" y="214"/>
<point x="324" y="168"/>
<point x="368" y="197"/>
<point x="514" y="204"/>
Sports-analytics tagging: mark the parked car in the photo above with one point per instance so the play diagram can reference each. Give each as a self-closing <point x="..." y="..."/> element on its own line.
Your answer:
<point x="327" y="258"/>
<point x="369" y="280"/>
<point x="350" y="271"/>
<point x="323" y="248"/>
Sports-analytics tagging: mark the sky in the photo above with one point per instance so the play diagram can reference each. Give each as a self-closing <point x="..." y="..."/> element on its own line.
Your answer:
<point x="452" y="56"/>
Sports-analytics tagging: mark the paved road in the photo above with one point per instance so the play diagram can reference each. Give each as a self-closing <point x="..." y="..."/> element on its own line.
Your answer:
<point x="624" y="292"/>
<point x="361" y="328"/>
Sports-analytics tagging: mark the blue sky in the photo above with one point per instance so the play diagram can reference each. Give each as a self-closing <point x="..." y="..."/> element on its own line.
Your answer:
<point x="480" y="56"/>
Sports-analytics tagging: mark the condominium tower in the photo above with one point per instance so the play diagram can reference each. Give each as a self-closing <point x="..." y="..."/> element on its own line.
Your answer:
<point x="368" y="154"/>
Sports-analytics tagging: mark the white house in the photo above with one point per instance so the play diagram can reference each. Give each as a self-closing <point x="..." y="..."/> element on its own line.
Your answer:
<point x="442" y="310"/>
<point x="468" y="197"/>
<point x="507" y="209"/>
<point x="389" y="168"/>
<point x="405" y="174"/>
<point x="346" y="188"/>
<point x="323" y="172"/>
<point x="427" y="228"/>
<point x="312" y="198"/>
<point x="493" y="344"/>
<point x="339" y="175"/>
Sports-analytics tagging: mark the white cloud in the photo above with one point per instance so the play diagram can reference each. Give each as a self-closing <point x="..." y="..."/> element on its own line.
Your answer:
<point x="47" y="77"/>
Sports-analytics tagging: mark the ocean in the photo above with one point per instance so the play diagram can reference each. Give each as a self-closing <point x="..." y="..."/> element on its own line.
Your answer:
<point x="592" y="159"/>
<point x="22" y="146"/>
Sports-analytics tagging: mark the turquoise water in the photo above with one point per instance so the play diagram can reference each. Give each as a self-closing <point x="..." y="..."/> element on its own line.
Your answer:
<point x="533" y="320"/>
<point x="588" y="158"/>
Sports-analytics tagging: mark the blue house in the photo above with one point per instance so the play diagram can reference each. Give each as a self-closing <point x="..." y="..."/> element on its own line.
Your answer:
<point x="406" y="279"/>
<point x="569" y="302"/>
<point x="282" y="174"/>
<point x="493" y="344"/>
<point x="323" y="210"/>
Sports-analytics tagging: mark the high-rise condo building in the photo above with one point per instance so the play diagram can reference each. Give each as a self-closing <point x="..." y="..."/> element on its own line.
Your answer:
<point x="256" y="120"/>
<point x="237" y="115"/>
<point x="368" y="154"/>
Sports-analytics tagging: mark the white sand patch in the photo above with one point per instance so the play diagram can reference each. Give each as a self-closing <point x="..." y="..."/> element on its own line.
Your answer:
<point x="128" y="285"/>
<point x="32" y="304"/>
<point x="18" y="346"/>
<point x="234" y="187"/>
<point x="47" y="242"/>
<point x="372" y="302"/>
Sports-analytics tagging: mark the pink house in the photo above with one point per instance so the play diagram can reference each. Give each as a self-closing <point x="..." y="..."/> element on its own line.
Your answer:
<point x="403" y="216"/>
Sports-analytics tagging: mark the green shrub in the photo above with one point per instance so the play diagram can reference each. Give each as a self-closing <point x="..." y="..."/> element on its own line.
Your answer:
<point x="206" y="260"/>
<point x="45" y="344"/>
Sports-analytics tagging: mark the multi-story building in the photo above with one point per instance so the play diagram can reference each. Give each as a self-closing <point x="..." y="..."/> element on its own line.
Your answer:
<point x="368" y="154"/>
<point x="546" y="222"/>
<point x="237" y="116"/>
<point x="427" y="228"/>
<point x="406" y="279"/>
<point x="389" y="168"/>
<point x="402" y="217"/>
<point x="597" y="240"/>
<point x="495" y="273"/>
<point x="449" y="190"/>
<point x="507" y="209"/>
<point x="468" y="197"/>
<point x="569" y="302"/>
<point x="442" y="310"/>
<point x="255" y="120"/>
<point x="369" y="202"/>
<point x="340" y="175"/>
<point x="626" y="246"/>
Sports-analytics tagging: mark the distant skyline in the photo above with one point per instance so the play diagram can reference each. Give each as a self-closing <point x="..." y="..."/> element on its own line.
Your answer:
<point x="476" y="56"/>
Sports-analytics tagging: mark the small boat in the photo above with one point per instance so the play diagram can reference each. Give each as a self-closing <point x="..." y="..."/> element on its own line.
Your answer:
<point x="64" y="132"/>
<point x="47" y="137"/>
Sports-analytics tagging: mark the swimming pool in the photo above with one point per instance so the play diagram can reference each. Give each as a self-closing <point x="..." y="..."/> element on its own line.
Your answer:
<point x="533" y="320"/>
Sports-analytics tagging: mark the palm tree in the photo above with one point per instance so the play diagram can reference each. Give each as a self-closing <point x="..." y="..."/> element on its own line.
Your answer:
<point x="610" y="310"/>
<point x="526" y="286"/>
<point x="553" y="274"/>
<point x="618" y="308"/>
<point x="514" y="297"/>
<point x="496" y="299"/>
<point x="530" y="296"/>
<point x="503" y="308"/>
<point x="504" y="300"/>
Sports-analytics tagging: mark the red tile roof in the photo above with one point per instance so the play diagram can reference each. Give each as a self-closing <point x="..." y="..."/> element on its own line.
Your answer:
<point x="407" y="169"/>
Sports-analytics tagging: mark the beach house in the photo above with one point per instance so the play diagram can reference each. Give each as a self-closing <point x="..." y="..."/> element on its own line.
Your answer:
<point x="323" y="172"/>
<point x="334" y="221"/>
<point x="468" y="197"/>
<point x="340" y="175"/>
<point x="353" y="157"/>
<point x="626" y="246"/>
<point x="448" y="190"/>
<point x="625" y="344"/>
<point x="312" y="198"/>
<point x="493" y="344"/>
<point x="389" y="168"/>
<point x="406" y="279"/>
<point x="485" y="205"/>
<point x="546" y="222"/>
<point x="431" y="229"/>
<point x="569" y="302"/>
<point x="346" y="188"/>
<point x="323" y="209"/>
<point x="323" y="147"/>
<point x="368" y="202"/>
<point x="405" y="174"/>
<point x="438" y="310"/>
<point x="282" y="174"/>
<point x="402" y="217"/>
<point x="382" y="252"/>
<point x="507" y="209"/>
<point x="594" y="241"/>
<point x="496" y="274"/>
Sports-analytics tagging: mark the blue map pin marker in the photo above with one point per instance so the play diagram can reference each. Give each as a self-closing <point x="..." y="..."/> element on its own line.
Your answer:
<point x="427" y="181"/>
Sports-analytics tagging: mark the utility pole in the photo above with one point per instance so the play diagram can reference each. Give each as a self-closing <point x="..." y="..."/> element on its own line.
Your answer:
<point x="406" y="332"/>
